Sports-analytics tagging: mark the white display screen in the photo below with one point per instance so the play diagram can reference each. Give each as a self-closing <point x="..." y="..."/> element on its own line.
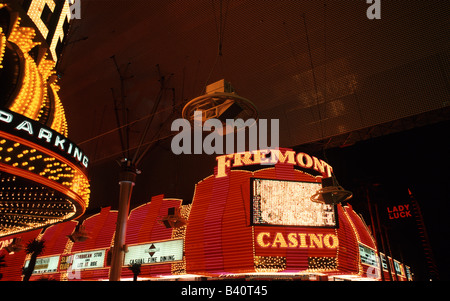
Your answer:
<point x="368" y="256"/>
<point x="45" y="265"/>
<point x="88" y="260"/>
<point x="287" y="203"/>
<point x="157" y="252"/>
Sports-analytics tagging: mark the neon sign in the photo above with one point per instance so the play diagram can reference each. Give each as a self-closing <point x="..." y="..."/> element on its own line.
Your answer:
<point x="36" y="132"/>
<point x="271" y="157"/>
<point x="296" y="240"/>
<point x="400" y="211"/>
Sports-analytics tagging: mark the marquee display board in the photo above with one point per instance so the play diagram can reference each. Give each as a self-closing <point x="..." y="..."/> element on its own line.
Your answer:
<point x="45" y="265"/>
<point x="88" y="260"/>
<point x="287" y="203"/>
<point x="368" y="256"/>
<point x="156" y="252"/>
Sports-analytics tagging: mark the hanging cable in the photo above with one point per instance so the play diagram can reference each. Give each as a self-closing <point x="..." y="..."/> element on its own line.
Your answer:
<point x="220" y="29"/>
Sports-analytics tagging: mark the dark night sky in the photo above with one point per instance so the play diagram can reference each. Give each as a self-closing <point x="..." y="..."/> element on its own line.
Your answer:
<point x="417" y="160"/>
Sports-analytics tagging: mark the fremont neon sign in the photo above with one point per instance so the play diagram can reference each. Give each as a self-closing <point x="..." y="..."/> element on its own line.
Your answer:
<point x="270" y="157"/>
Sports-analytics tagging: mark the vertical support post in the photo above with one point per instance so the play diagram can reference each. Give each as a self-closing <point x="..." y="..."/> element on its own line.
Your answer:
<point x="126" y="181"/>
<point x="374" y="233"/>
<point x="383" y="244"/>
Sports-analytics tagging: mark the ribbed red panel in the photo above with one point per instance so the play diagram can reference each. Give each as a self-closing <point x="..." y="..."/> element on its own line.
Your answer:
<point x="144" y="226"/>
<point x="101" y="229"/>
<point x="213" y="225"/>
<point x="92" y="274"/>
<point x="363" y="232"/>
<point x="237" y="248"/>
<point x="194" y="244"/>
<point x="348" y="258"/>
<point x="55" y="237"/>
<point x="15" y="262"/>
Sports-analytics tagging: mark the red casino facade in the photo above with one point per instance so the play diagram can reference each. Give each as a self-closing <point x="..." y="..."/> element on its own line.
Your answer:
<point x="241" y="224"/>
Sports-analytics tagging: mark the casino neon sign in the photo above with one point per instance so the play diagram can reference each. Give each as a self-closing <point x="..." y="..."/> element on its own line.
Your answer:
<point x="279" y="240"/>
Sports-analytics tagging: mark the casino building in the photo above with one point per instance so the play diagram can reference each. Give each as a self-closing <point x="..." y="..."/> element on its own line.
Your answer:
<point x="248" y="220"/>
<point x="249" y="224"/>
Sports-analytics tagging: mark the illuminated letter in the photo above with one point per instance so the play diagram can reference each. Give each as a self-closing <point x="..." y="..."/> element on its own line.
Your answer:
<point x="301" y="162"/>
<point x="85" y="161"/>
<point x="58" y="36"/>
<point x="277" y="156"/>
<point x="222" y="162"/>
<point x="313" y="239"/>
<point x="35" y="12"/>
<point x="214" y="136"/>
<point x="302" y="240"/>
<point x="260" y="154"/>
<point x="242" y="159"/>
<point x="70" y="148"/>
<point x="260" y="239"/>
<point x="26" y="126"/>
<point x="274" y="134"/>
<point x="184" y="136"/>
<point x="293" y="242"/>
<point x="334" y="241"/>
<point x="60" y="142"/>
<point x="319" y="165"/>
<point x="5" y="117"/>
<point x="77" y="154"/>
<point x="279" y="239"/>
<point x="328" y="168"/>
<point x="44" y="133"/>
<point x="374" y="11"/>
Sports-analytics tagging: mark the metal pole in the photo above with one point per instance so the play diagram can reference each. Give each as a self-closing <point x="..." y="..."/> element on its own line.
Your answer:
<point x="390" y="252"/>
<point x="382" y="242"/>
<point x="374" y="232"/>
<point x="126" y="181"/>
